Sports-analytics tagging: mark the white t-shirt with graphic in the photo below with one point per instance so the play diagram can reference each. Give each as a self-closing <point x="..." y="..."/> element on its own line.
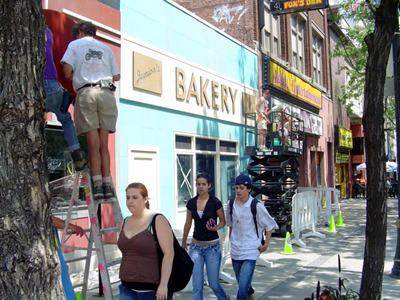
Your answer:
<point x="91" y="61"/>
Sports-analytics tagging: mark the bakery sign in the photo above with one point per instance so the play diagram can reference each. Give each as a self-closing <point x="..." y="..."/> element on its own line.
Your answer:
<point x="288" y="82"/>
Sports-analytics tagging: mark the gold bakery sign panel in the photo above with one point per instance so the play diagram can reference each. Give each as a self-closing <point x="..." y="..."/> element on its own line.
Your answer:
<point x="147" y="73"/>
<point x="293" y="85"/>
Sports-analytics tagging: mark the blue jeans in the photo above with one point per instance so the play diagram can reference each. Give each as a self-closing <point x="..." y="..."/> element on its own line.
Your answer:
<point x="125" y="293"/>
<point x="244" y="270"/>
<point x="54" y="96"/>
<point x="211" y="255"/>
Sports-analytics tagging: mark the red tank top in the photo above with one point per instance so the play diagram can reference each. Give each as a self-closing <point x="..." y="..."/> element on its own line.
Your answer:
<point x="139" y="258"/>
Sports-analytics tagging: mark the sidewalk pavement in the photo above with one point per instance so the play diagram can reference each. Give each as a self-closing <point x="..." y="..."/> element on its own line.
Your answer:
<point x="296" y="276"/>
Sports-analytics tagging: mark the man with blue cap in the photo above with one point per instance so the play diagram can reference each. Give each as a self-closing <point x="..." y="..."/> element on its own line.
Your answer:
<point x="248" y="220"/>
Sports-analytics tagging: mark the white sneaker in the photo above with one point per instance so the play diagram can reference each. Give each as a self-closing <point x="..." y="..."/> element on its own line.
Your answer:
<point x="264" y="149"/>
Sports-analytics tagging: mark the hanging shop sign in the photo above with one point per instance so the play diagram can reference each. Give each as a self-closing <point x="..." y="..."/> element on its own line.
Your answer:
<point x="342" y="158"/>
<point x="290" y="6"/>
<point x="344" y="137"/>
<point x="312" y="123"/>
<point x="293" y="85"/>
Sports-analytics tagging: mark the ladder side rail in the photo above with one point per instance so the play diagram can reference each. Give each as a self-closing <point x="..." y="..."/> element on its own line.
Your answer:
<point x="97" y="237"/>
<point x="87" y="266"/>
<point x="74" y="196"/>
<point x="116" y="209"/>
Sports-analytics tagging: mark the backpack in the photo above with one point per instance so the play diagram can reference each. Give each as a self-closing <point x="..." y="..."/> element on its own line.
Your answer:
<point x="182" y="265"/>
<point x="253" y="207"/>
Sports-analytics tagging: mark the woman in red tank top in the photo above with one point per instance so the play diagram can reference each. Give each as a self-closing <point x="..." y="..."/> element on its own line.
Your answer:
<point x="139" y="270"/>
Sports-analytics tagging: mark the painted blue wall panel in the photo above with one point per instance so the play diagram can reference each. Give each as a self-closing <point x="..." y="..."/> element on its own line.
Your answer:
<point x="164" y="26"/>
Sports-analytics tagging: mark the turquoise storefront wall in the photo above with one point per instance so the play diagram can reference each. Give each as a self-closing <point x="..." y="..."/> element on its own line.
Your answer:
<point x="171" y="30"/>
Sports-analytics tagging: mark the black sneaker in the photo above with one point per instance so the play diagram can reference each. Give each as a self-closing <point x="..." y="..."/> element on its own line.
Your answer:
<point x="98" y="192"/>
<point x="80" y="164"/>
<point x="108" y="191"/>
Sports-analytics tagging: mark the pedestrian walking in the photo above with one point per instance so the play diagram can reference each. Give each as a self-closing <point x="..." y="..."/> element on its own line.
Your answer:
<point x="205" y="247"/>
<point x="139" y="272"/>
<point x="246" y="234"/>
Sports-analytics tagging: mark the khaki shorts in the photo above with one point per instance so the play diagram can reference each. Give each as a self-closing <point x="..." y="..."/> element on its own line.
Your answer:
<point x="262" y="124"/>
<point x="95" y="108"/>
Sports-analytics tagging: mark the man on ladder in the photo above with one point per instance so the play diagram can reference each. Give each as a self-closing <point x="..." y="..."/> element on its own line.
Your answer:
<point x="92" y="67"/>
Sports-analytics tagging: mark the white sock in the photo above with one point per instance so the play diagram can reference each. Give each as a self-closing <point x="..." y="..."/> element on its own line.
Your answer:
<point x="97" y="180"/>
<point x="107" y="180"/>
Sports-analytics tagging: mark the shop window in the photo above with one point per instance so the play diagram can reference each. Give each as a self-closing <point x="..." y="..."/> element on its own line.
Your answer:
<point x="205" y="144"/>
<point x="183" y="142"/>
<point x="190" y="162"/>
<point x="206" y="163"/>
<point x="184" y="164"/>
<point x="59" y="161"/>
<point x="227" y="177"/>
<point x="227" y="147"/>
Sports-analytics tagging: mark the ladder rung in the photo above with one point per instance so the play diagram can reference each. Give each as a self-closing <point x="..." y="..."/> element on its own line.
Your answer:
<point x="106" y="201"/>
<point x="114" y="262"/>
<point x="110" y="243"/>
<point x="76" y="259"/>
<point x="73" y="232"/>
<point x="77" y="248"/>
<point x="79" y="285"/>
<point x="109" y="230"/>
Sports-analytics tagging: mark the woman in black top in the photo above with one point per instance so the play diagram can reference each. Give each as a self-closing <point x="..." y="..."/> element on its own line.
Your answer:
<point x="205" y="210"/>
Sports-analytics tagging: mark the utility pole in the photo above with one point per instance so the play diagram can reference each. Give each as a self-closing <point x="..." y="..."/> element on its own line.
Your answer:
<point x="396" y="72"/>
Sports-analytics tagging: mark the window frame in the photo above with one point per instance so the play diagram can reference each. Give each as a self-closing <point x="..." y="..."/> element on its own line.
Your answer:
<point x="299" y="42"/>
<point x="194" y="152"/>
<point x="270" y="19"/>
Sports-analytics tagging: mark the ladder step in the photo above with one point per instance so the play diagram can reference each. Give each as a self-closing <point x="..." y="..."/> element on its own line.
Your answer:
<point x="76" y="259"/>
<point x="79" y="285"/>
<point x="109" y="230"/>
<point x="78" y="248"/>
<point x="106" y="201"/>
<point x="114" y="262"/>
<point x="72" y="232"/>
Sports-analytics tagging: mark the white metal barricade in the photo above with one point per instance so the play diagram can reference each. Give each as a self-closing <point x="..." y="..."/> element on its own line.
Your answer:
<point x="324" y="195"/>
<point x="226" y="255"/>
<point x="304" y="216"/>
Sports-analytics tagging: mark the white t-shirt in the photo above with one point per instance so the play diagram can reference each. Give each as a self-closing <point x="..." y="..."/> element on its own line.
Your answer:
<point x="91" y="61"/>
<point x="244" y="240"/>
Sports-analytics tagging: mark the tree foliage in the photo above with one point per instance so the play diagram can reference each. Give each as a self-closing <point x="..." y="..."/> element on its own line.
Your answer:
<point x="356" y="20"/>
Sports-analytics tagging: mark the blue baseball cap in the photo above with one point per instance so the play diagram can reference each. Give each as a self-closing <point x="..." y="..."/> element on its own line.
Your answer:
<point x="243" y="179"/>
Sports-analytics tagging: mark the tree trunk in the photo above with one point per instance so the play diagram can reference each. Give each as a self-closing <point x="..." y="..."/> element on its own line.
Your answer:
<point x="378" y="43"/>
<point x="29" y="266"/>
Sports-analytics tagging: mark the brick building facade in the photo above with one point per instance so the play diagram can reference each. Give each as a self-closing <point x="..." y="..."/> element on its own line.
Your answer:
<point x="236" y="18"/>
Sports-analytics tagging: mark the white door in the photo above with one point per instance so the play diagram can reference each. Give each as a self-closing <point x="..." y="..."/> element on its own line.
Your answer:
<point x="144" y="167"/>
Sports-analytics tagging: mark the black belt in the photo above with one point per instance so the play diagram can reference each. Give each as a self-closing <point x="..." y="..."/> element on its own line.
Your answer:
<point x="88" y="85"/>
